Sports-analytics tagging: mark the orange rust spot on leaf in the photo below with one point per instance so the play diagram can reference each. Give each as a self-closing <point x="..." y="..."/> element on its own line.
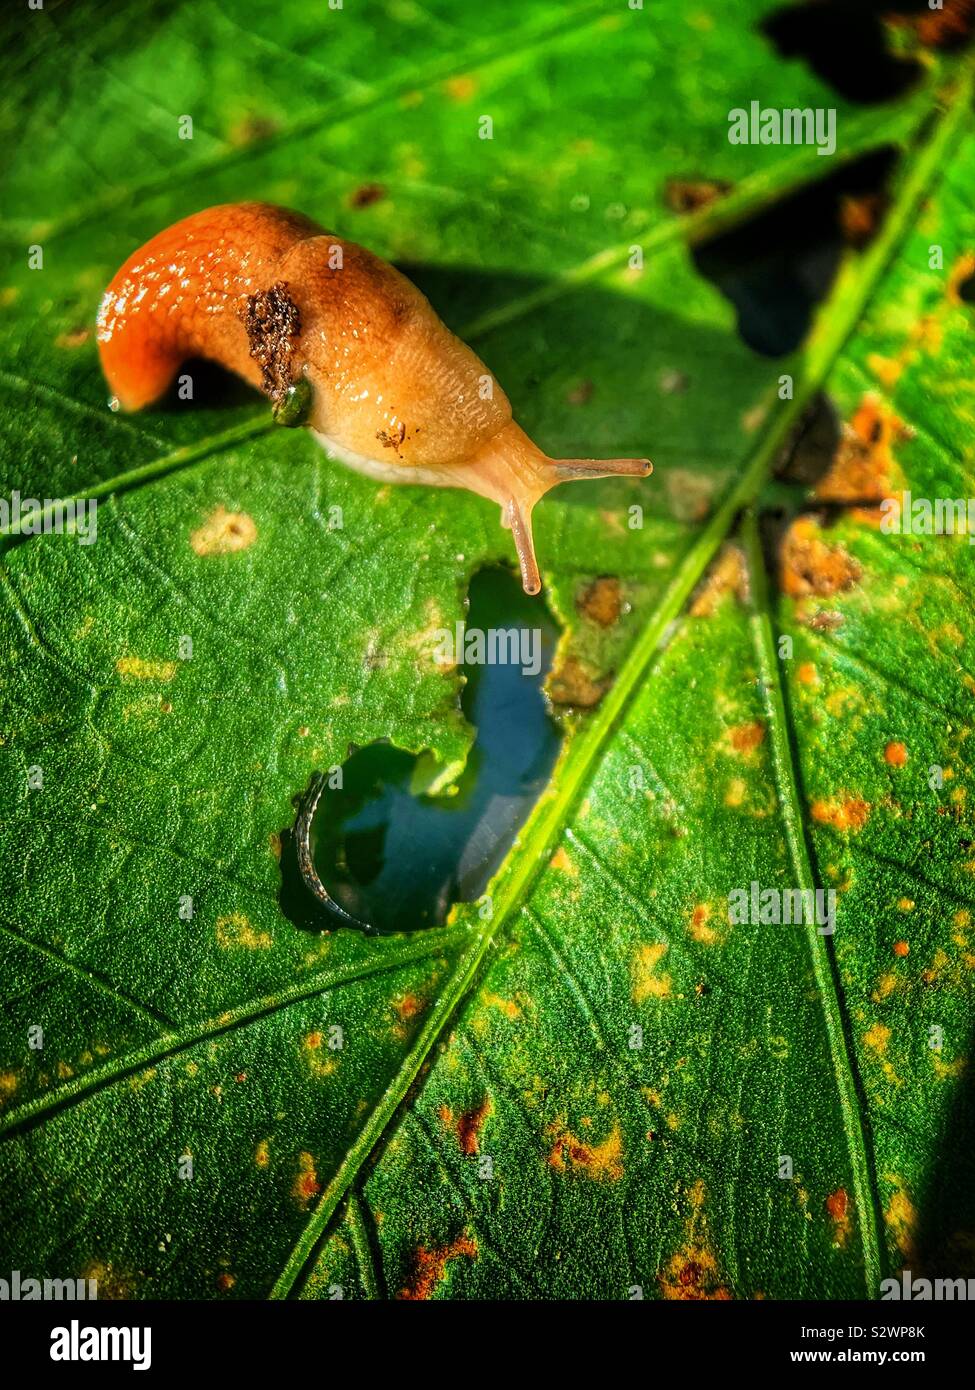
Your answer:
<point x="838" y="1207"/>
<point x="262" y="1154"/>
<point x="225" y="1282"/>
<point x="806" y="674"/>
<point x="863" y="468"/>
<point x="877" y="1037"/>
<point x="745" y="738"/>
<point x="461" y="88"/>
<point x="692" y="1274"/>
<point x="807" y="565"/>
<point x="469" y="1125"/>
<point x="698" y="925"/>
<point x="901" y="1219"/>
<point x="430" y="1267"/>
<point x="603" y="1162"/>
<point x="560" y="860"/>
<point x="901" y="948"/>
<point x="842" y="813"/>
<point x="896" y="754"/>
<point x="306" y="1184"/>
<point x="508" y="1007"/>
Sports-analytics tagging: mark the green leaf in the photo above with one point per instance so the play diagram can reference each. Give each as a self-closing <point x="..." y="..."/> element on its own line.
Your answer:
<point x="166" y="781"/>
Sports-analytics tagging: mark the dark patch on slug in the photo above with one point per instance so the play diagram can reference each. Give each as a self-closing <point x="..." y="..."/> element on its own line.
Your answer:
<point x="392" y="439"/>
<point x="273" y="325"/>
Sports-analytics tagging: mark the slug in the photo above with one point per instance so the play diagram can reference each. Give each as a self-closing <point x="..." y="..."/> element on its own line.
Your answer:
<point x="339" y="340"/>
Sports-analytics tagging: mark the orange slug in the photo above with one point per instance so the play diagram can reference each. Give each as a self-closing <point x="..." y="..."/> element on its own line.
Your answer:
<point x="340" y="341"/>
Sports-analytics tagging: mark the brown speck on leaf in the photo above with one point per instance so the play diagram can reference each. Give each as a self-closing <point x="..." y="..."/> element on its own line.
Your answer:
<point x="860" y="216"/>
<point x="688" y="195"/>
<point x="572" y="684"/>
<point x="367" y="194"/>
<point x="580" y="394"/>
<point x="601" y="601"/>
<point x="74" y="338"/>
<point x="808" y="565"/>
<point x="273" y="326"/>
<point x="253" y="128"/>
<point x="673" y="382"/>
<point x="430" y="1267"/>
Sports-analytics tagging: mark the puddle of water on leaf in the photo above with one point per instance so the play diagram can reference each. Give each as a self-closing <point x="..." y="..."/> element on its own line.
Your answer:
<point x="399" y="861"/>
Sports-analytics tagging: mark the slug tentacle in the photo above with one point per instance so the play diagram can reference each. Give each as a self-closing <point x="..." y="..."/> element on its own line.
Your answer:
<point x="339" y="340"/>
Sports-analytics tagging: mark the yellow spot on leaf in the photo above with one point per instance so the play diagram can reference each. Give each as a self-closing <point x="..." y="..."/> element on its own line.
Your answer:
<point x="647" y="984"/>
<point x="603" y="1162"/>
<point x="224" y="532"/>
<point x="692" y="1274"/>
<point x="139" y="669"/>
<point x="235" y="931"/>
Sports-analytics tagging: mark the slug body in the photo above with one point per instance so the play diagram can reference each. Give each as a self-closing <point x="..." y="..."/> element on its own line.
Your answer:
<point x="393" y="393"/>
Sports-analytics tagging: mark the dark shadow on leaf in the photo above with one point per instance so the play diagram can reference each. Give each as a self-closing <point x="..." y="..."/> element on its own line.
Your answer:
<point x="846" y="44"/>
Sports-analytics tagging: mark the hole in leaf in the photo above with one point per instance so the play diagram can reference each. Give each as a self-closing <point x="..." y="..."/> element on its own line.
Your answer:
<point x="397" y="860"/>
<point x="847" y="44"/>
<point x="777" y="267"/>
